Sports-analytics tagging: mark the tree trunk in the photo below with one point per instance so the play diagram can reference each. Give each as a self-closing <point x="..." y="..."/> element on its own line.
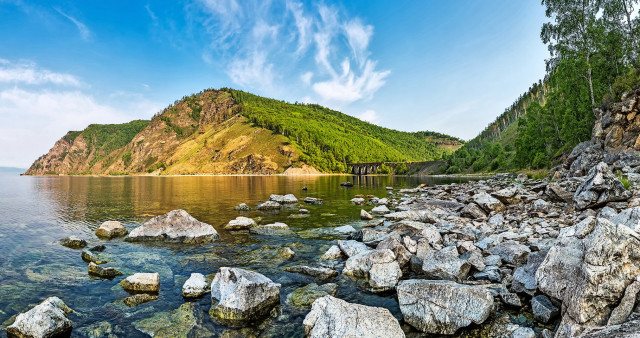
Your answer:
<point x="593" y="100"/>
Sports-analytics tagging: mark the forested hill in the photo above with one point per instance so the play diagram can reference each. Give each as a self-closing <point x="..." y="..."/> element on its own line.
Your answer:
<point x="594" y="48"/>
<point x="233" y="132"/>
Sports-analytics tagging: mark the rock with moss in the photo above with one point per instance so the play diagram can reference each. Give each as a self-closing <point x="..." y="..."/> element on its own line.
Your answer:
<point x="47" y="319"/>
<point x="142" y="282"/>
<point x="241" y="297"/>
<point x="195" y="286"/>
<point x="174" y="226"/>
<point x="274" y="229"/>
<point x="333" y="317"/>
<point x="111" y="229"/>
<point x="139" y="298"/>
<point x="306" y="295"/>
<point x="92" y="257"/>
<point x="73" y="242"/>
<point x="108" y="273"/>
<point x="177" y="323"/>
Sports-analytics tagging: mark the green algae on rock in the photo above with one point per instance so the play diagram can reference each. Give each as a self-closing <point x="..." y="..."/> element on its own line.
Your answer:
<point x="306" y="295"/>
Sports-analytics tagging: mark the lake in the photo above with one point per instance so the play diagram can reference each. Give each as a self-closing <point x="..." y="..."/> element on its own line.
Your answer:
<point x="36" y="212"/>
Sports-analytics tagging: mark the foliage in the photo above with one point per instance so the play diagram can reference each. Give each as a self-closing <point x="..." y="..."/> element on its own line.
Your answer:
<point x="401" y="169"/>
<point x="383" y="169"/>
<point x="126" y="158"/>
<point x="102" y="139"/>
<point x="71" y="136"/>
<point x="329" y="139"/>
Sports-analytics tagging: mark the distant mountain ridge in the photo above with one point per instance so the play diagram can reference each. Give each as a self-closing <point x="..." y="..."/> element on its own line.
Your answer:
<point x="228" y="131"/>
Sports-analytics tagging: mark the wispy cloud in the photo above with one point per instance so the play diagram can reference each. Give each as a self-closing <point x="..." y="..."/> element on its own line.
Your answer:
<point x="85" y="33"/>
<point x="29" y="73"/>
<point x="368" y="115"/>
<point x="258" y="42"/>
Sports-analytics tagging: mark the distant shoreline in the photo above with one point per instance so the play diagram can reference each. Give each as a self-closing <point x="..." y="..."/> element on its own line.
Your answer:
<point x="270" y="175"/>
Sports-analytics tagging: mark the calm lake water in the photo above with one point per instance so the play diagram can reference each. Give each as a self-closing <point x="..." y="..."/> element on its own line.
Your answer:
<point x="35" y="212"/>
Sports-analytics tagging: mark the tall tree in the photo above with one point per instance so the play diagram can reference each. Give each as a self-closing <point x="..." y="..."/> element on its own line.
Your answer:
<point x="572" y="33"/>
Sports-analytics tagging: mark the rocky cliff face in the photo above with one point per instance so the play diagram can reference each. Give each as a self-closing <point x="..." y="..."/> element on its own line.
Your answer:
<point x="615" y="140"/>
<point x="201" y="134"/>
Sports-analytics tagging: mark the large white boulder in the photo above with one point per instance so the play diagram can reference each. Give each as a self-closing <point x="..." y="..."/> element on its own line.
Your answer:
<point x="174" y="226"/>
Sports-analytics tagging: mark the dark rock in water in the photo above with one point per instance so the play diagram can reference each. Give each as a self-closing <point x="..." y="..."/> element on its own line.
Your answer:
<point x="320" y="272"/>
<point x="139" y="298"/>
<point x="305" y="188"/>
<point x="73" y="242"/>
<point x="175" y="226"/>
<point x="98" y="248"/>
<point x="242" y="297"/>
<point x="111" y="229"/>
<point x="333" y="317"/>
<point x="442" y="307"/>
<point x="142" y="282"/>
<point x="306" y="295"/>
<point x="109" y="273"/>
<point x="543" y="310"/>
<point x="347" y="184"/>
<point x="600" y="187"/>
<point x="47" y="319"/>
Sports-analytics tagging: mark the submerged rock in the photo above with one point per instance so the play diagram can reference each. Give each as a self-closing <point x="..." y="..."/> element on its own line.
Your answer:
<point x="240" y="223"/>
<point x="312" y="200"/>
<point x="174" y="226"/>
<point x="306" y="295"/>
<point x="333" y="317"/>
<point x="91" y="257"/>
<point x="242" y="207"/>
<point x="242" y="296"/>
<point x="320" y="272"/>
<point x="195" y="286"/>
<point x="47" y="319"/>
<point x="442" y="307"/>
<point x="139" y="298"/>
<point x="269" y="205"/>
<point x="111" y="229"/>
<point x="176" y="323"/>
<point x="142" y="282"/>
<point x="101" y="272"/>
<point x="73" y="242"/>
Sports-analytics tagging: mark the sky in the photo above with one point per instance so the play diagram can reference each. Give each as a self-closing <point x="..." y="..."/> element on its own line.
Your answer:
<point x="446" y="66"/>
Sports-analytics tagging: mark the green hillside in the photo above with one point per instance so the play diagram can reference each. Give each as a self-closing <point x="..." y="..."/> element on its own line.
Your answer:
<point x="328" y="139"/>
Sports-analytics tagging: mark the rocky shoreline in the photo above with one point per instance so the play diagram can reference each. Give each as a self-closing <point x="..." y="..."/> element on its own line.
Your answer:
<point x="465" y="259"/>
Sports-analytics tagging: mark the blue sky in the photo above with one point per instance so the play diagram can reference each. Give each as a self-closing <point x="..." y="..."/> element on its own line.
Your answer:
<point x="447" y="66"/>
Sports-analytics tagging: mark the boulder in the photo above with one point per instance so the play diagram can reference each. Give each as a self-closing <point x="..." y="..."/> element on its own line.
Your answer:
<point x="242" y="207"/>
<point x="402" y="254"/>
<point x="273" y="229"/>
<point x="443" y="307"/>
<point x="111" y="229"/>
<point x="269" y="205"/>
<point x="142" y="282"/>
<point x="312" y="200"/>
<point x="507" y="195"/>
<point x="600" y="187"/>
<point x="543" y="310"/>
<point x="379" y="267"/>
<point x="174" y="226"/>
<point x="445" y="264"/>
<point x="333" y="317"/>
<point x="73" y="242"/>
<point x="352" y="248"/>
<point x="488" y="203"/>
<point x="334" y="252"/>
<point x="524" y="277"/>
<point x="380" y="210"/>
<point x="306" y="295"/>
<point x="47" y="319"/>
<point x="364" y="215"/>
<point x="242" y="296"/>
<point x="472" y="210"/>
<point x="286" y="199"/>
<point x="91" y="257"/>
<point x="591" y="277"/>
<point x="357" y="201"/>
<point x="97" y="270"/>
<point x="314" y="271"/>
<point x="240" y="223"/>
<point x="511" y="252"/>
<point x="623" y="310"/>
<point x="195" y="286"/>
<point x="629" y="217"/>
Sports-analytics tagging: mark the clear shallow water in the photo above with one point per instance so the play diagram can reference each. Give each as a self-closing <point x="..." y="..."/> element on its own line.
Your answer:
<point x="35" y="212"/>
